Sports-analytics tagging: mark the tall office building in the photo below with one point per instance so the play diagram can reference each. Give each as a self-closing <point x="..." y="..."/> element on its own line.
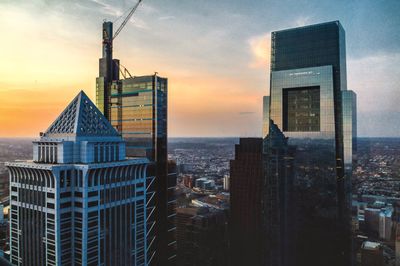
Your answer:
<point x="246" y="185"/>
<point x="310" y="104"/>
<point x="278" y="195"/>
<point x="80" y="201"/>
<point x="137" y="108"/>
<point x="372" y="254"/>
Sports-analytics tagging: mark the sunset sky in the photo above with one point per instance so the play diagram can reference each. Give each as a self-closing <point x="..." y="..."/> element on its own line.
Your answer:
<point x="215" y="55"/>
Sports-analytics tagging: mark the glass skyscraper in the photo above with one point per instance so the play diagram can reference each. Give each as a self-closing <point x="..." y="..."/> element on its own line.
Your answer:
<point x="139" y="112"/>
<point x="309" y="102"/>
<point x="137" y="107"/>
<point x="80" y="201"/>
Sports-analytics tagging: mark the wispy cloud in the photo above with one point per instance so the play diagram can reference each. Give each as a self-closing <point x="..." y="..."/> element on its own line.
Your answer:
<point x="260" y="47"/>
<point x="302" y="21"/>
<point x="107" y="8"/>
<point x="166" y="18"/>
<point x="376" y="78"/>
<point x="246" y="113"/>
<point x="147" y="9"/>
<point x="139" y="23"/>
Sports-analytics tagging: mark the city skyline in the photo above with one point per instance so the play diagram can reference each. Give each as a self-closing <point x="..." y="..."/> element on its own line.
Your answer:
<point x="62" y="60"/>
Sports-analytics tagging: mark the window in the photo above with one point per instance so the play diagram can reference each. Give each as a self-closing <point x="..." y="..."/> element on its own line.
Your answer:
<point x="301" y="109"/>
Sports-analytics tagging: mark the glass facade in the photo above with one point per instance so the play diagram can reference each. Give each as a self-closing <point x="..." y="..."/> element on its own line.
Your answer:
<point x="265" y="128"/>
<point x="301" y="109"/>
<point x="308" y="77"/>
<point x="139" y="113"/>
<point x="138" y="110"/>
<point x="349" y="101"/>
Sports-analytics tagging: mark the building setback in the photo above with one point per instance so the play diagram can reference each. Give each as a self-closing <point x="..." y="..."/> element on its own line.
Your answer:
<point x="246" y="186"/>
<point x="80" y="201"/>
<point x="310" y="104"/>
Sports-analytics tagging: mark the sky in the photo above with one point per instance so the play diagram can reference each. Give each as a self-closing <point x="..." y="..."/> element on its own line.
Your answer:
<point x="215" y="55"/>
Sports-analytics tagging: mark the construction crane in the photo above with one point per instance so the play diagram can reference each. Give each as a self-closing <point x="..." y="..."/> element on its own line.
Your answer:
<point x="126" y="19"/>
<point x="109" y="67"/>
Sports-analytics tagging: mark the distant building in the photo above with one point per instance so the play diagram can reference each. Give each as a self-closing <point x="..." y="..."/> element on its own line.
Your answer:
<point x="397" y="244"/>
<point x="371" y="218"/>
<point x="396" y="225"/>
<point x="372" y="254"/>
<point x="188" y="181"/>
<point x="219" y="201"/>
<point x="1" y="213"/>
<point x="386" y="224"/>
<point x="81" y="201"/>
<point x="246" y="185"/>
<point x="226" y="182"/>
<point x="205" y="183"/>
<point x="201" y="237"/>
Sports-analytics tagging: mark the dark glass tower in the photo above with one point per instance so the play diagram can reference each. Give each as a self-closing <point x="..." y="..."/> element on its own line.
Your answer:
<point x="278" y="196"/>
<point x="246" y="185"/>
<point x="308" y="83"/>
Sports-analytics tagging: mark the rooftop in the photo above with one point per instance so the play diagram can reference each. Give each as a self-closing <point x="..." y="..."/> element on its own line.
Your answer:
<point x="371" y="245"/>
<point x="81" y="118"/>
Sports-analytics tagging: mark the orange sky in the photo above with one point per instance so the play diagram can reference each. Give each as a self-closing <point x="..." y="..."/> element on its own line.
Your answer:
<point x="215" y="55"/>
<point x="45" y="62"/>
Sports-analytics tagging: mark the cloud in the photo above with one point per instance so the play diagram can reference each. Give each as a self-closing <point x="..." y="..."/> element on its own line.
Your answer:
<point x="246" y="113"/>
<point x="147" y="9"/>
<point x="139" y="23"/>
<point x="260" y="48"/>
<point x="166" y="18"/>
<point x="302" y="21"/>
<point x="376" y="80"/>
<point x="107" y="9"/>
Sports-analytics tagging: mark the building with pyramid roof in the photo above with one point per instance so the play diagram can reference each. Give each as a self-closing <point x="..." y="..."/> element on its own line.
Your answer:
<point x="80" y="201"/>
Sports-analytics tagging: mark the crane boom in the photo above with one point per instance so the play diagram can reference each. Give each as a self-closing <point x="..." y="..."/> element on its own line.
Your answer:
<point x="126" y="19"/>
<point x="109" y="68"/>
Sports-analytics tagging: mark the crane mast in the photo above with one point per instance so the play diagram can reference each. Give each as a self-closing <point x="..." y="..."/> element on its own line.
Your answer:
<point x="109" y="67"/>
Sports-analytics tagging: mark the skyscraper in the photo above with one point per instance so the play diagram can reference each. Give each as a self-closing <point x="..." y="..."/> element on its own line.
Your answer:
<point x="80" y="201"/>
<point x="278" y="197"/>
<point x="246" y="186"/>
<point x="137" y="108"/>
<point x="310" y="104"/>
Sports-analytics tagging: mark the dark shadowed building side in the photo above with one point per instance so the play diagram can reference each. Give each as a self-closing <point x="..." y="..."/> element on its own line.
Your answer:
<point x="245" y="222"/>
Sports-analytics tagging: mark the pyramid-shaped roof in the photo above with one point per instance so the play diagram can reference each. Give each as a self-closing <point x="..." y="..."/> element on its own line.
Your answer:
<point x="81" y="118"/>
